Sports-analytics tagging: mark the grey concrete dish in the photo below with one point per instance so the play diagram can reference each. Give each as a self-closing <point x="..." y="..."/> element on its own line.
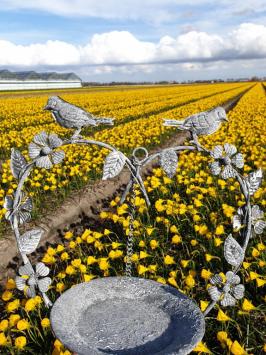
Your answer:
<point x="126" y="316"/>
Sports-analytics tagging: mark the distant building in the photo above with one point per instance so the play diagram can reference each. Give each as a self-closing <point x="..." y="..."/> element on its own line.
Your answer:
<point x="30" y="80"/>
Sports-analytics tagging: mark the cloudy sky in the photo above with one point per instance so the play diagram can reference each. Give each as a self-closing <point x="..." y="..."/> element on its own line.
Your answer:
<point x="135" y="40"/>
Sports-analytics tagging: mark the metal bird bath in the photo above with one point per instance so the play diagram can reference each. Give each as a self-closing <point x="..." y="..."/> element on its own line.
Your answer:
<point x="128" y="315"/>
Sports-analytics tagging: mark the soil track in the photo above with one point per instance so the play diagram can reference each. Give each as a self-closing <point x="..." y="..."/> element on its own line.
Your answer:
<point x="85" y="203"/>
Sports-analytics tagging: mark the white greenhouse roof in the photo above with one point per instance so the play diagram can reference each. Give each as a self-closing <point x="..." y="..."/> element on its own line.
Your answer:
<point x="26" y="76"/>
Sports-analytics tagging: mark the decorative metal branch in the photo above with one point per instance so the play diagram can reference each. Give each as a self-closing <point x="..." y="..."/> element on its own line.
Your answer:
<point x="43" y="154"/>
<point x="19" y="207"/>
<point x="42" y="151"/>
<point x="228" y="291"/>
<point x="226" y="161"/>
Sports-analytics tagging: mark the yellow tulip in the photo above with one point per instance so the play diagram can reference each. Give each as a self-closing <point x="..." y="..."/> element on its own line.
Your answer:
<point x="4" y="325"/>
<point x="23" y="324"/>
<point x="202" y="348"/>
<point x="190" y="281"/>
<point x="203" y="305"/>
<point x="236" y="349"/>
<point x="20" y="342"/>
<point x="3" y="339"/>
<point x="169" y="260"/>
<point x="247" y="305"/>
<point x="222" y="317"/>
<point x="45" y="323"/>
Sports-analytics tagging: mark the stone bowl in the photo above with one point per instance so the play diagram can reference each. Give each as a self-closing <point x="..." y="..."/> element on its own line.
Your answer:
<point x="126" y="316"/>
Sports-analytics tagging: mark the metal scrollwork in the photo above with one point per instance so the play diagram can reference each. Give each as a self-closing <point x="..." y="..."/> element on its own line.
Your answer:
<point x="42" y="151"/>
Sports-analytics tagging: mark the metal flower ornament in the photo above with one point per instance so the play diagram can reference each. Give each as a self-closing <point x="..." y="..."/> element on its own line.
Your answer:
<point x="226" y="292"/>
<point x="225" y="163"/>
<point x="46" y="150"/>
<point x="42" y="149"/>
<point x="257" y="221"/>
<point x="34" y="281"/>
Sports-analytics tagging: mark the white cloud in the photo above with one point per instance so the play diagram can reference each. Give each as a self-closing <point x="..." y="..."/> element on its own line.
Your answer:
<point x="118" y="48"/>
<point x="49" y="53"/>
<point x="191" y="45"/>
<point x="248" y="39"/>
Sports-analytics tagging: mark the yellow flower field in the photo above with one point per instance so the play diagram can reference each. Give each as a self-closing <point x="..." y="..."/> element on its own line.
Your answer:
<point x="178" y="240"/>
<point x="145" y="131"/>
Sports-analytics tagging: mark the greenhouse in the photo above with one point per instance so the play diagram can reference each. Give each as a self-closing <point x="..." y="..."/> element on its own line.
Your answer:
<point x="30" y="80"/>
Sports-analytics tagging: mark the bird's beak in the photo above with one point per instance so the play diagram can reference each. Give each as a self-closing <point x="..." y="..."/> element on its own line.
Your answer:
<point x="226" y="119"/>
<point x="46" y="107"/>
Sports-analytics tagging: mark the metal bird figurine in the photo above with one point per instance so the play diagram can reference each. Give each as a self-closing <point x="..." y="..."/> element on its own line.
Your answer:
<point x="200" y="124"/>
<point x="70" y="116"/>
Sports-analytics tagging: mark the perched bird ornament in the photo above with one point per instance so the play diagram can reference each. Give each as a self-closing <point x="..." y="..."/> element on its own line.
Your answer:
<point x="200" y="124"/>
<point x="70" y="116"/>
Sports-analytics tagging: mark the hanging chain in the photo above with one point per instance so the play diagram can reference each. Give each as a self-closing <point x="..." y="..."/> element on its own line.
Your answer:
<point x="130" y="239"/>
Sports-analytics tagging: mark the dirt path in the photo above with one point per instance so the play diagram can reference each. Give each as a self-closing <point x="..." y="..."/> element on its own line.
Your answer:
<point x="88" y="202"/>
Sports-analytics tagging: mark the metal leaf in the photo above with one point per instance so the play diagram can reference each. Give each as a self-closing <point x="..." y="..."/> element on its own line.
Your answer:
<point x="44" y="162"/>
<point x="30" y="240"/>
<point x="232" y="278"/>
<point x="44" y="284"/>
<point x="238" y="160"/>
<point x="26" y="269"/>
<point x="237" y="222"/>
<point x="241" y="211"/>
<point x="256" y="212"/>
<point x="20" y="283"/>
<point x="168" y="161"/>
<point x="30" y="292"/>
<point x="233" y="252"/>
<point x="26" y="203"/>
<point x="216" y="279"/>
<point x="17" y="163"/>
<point x="113" y="165"/>
<point x="259" y="227"/>
<point x="238" y="291"/>
<point x="253" y="181"/>
<point x="228" y="300"/>
<point x="23" y="216"/>
<point x="217" y="152"/>
<point x="34" y="150"/>
<point x="8" y="215"/>
<point x="54" y="141"/>
<point x="230" y="149"/>
<point x="41" y="138"/>
<point x="57" y="157"/>
<point x="8" y="203"/>
<point x="214" y="293"/>
<point x="42" y="270"/>
<point x="228" y="172"/>
<point x="32" y="280"/>
<point x="215" y="168"/>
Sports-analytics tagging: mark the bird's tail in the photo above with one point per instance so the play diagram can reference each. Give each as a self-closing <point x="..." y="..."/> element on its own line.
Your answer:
<point x="105" y="120"/>
<point x="172" y="123"/>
